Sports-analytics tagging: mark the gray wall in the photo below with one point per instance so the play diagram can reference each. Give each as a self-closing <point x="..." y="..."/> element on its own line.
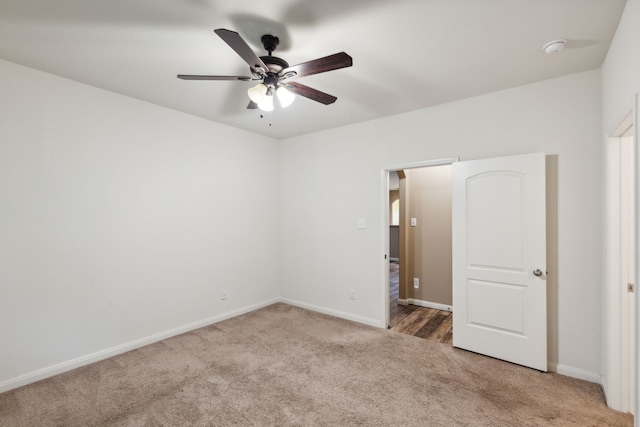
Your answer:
<point x="429" y="245"/>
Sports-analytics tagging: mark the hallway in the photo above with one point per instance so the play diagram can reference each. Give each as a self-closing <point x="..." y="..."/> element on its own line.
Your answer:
<point x="428" y="323"/>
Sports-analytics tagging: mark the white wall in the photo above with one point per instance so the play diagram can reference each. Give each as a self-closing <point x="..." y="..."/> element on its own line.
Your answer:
<point x="324" y="255"/>
<point x="621" y="69"/>
<point x="620" y="85"/>
<point x="121" y="222"/>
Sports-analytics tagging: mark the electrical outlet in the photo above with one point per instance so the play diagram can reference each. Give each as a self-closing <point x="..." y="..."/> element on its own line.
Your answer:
<point x="224" y="294"/>
<point x="416" y="282"/>
<point x="352" y="294"/>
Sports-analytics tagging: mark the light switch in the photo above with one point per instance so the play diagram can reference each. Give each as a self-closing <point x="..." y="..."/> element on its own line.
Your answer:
<point x="362" y="223"/>
<point x="414" y="222"/>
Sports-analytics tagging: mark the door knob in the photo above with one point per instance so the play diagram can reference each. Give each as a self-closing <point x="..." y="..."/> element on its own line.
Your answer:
<point x="537" y="272"/>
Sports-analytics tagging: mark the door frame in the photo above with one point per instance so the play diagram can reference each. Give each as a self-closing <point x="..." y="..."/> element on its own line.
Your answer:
<point x="636" y="136"/>
<point x="617" y="381"/>
<point x="384" y="174"/>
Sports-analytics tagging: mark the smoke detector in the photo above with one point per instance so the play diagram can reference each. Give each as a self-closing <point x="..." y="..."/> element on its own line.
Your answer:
<point x="554" y="46"/>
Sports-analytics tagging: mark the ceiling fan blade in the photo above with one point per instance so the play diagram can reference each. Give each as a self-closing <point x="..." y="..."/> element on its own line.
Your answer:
<point x="252" y="105"/>
<point x="241" y="47"/>
<point x="320" y="65"/>
<point x="192" y="77"/>
<point x="313" y="94"/>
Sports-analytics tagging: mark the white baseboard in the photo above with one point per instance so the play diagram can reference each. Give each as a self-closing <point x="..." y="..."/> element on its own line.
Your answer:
<point x="59" y="368"/>
<point x="123" y="348"/>
<point x="429" y="304"/>
<point x="403" y="301"/>
<point x="570" y="371"/>
<point x="343" y="315"/>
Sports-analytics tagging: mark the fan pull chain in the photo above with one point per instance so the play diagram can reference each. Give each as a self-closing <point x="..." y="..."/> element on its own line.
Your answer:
<point x="262" y="117"/>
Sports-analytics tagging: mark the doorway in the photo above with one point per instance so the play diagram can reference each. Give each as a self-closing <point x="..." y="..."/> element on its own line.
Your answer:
<point x="419" y="247"/>
<point x="493" y="197"/>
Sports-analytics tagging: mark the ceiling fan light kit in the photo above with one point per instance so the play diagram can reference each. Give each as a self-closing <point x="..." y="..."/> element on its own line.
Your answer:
<point x="266" y="104"/>
<point x="285" y="97"/>
<point x="257" y="92"/>
<point x="275" y="73"/>
<point x="260" y="92"/>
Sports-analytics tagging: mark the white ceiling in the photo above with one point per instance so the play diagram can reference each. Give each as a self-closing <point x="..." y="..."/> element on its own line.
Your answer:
<point x="407" y="54"/>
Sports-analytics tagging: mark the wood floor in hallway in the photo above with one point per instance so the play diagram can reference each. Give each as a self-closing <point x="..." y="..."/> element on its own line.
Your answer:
<point x="428" y="323"/>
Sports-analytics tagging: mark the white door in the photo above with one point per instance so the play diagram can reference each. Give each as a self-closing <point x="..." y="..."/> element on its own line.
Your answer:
<point x="499" y="258"/>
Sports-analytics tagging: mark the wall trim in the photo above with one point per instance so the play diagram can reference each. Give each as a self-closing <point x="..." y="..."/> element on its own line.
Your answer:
<point x="421" y="164"/>
<point x="429" y="304"/>
<point x="50" y="371"/>
<point x="337" y="313"/>
<point x="403" y="301"/>
<point x="59" y="368"/>
<point x="570" y="371"/>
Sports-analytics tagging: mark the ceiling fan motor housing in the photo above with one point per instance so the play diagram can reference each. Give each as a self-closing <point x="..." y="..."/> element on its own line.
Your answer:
<point x="275" y="65"/>
<point x="271" y="80"/>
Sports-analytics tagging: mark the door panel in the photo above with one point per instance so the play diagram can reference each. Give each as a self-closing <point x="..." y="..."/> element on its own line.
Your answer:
<point x="487" y="194"/>
<point x="499" y="238"/>
<point x="497" y="306"/>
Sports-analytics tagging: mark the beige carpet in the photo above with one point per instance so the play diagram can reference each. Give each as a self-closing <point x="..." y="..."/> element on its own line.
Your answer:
<point x="284" y="366"/>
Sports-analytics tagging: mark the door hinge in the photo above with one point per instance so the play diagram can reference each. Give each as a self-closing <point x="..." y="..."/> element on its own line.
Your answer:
<point x="631" y="287"/>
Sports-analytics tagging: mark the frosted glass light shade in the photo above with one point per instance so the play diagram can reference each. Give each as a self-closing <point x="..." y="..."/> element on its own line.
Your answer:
<point x="266" y="104"/>
<point x="284" y="96"/>
<point x="257" y="93"/>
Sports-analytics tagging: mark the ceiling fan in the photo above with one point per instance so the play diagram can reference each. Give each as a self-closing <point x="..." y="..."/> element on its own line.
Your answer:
<point x="275" y="74"/>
